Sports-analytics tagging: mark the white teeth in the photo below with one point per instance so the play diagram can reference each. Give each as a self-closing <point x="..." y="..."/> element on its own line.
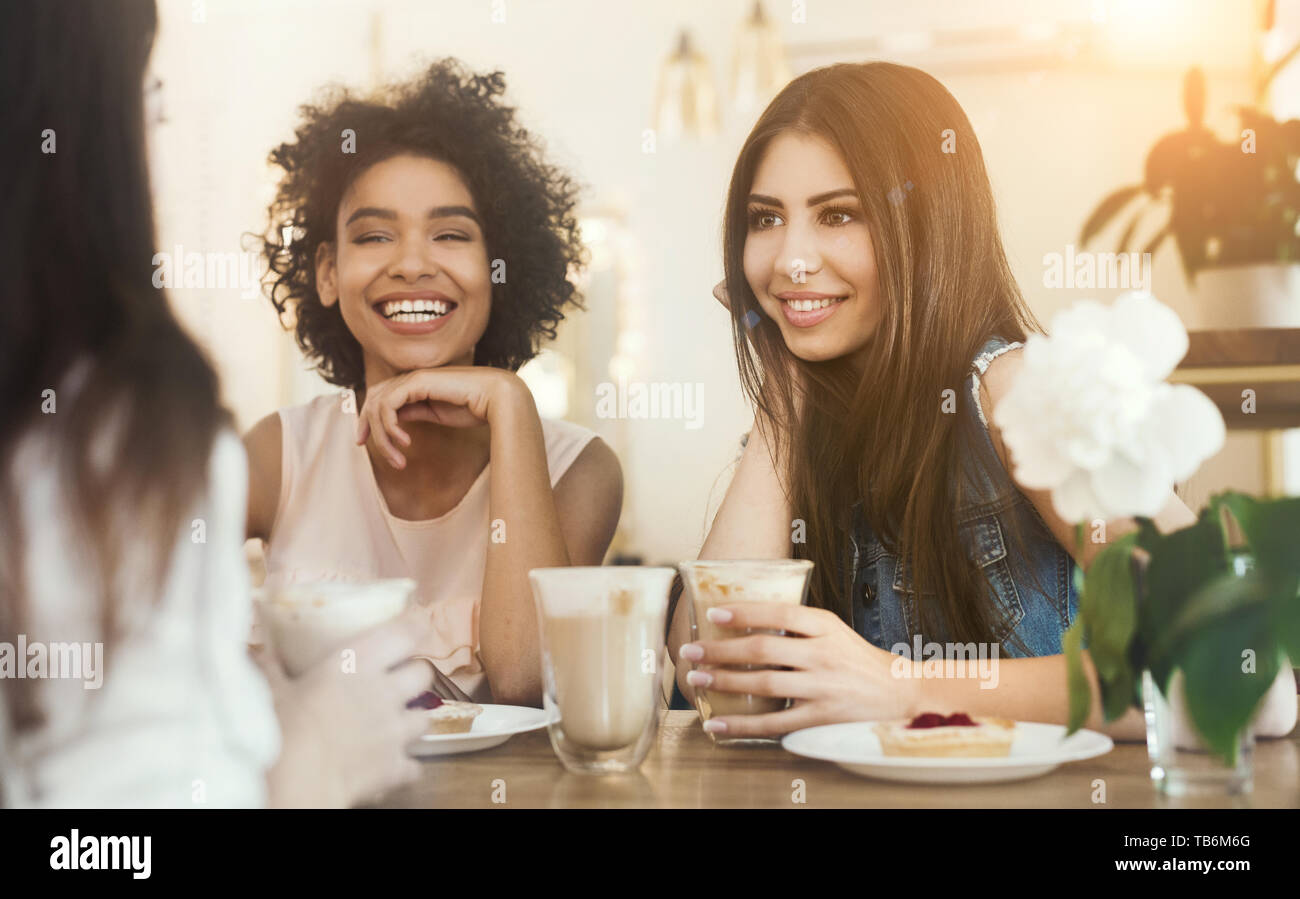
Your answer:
<point x="414" y="310"/>
<point x="810" y="305"/>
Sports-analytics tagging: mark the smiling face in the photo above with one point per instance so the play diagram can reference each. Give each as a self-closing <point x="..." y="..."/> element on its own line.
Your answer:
<point x="808" y="253"/>
<point x="409" y="269"/>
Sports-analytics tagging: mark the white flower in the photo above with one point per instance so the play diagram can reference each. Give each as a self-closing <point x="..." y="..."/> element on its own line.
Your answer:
<point x="1090" y="417"/>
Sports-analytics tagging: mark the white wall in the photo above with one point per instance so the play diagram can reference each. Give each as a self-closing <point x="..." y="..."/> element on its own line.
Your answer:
<point x="583" y="72"/>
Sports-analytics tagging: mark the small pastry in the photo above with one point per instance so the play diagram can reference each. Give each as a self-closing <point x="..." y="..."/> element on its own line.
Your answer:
<point x="446" y="716"/>
<point x="947" y="736"/>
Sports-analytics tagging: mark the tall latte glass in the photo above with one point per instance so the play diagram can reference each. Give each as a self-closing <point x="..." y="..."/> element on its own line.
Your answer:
<point x="710" y="583"/>
<point x="602" y="638"/>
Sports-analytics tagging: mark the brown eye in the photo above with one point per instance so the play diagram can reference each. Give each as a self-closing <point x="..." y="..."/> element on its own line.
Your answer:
<point x="762" y="219"/>
<point x="836" y="217"/>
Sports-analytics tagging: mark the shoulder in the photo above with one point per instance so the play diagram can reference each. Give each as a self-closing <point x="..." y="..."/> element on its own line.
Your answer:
<point x="300" y="428"/>
<point x="999" y="373"/>
<point x="262" y="442"/>
<point x="264" y="445"/>
<point x="319" y="412"/>
<point x="558" y="431"/>
<point x="598" y="461"/>
<point x="575" y="453"/>
<point x="565" y="443"/>
<point x="583" y="465"/>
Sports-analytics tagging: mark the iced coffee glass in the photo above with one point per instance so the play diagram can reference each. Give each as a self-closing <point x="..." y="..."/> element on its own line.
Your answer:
<point x="602" y="639"/>
<point x="710" y="583"/>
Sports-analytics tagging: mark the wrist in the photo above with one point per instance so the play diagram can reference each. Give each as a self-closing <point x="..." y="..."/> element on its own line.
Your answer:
<point x="304" y="775"/>
<point x="918" y="694"/>
<point x="510" y="399"/>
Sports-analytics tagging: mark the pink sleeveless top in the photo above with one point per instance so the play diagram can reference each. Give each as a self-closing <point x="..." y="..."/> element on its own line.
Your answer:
<point x="332" y="523"/>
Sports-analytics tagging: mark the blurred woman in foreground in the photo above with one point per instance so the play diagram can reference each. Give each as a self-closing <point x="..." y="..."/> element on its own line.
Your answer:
<point x="123" y="486"/>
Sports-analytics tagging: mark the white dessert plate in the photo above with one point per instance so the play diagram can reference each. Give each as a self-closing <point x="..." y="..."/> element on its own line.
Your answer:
<point x="1037" y="749"/>
<point x="493" y="726"/>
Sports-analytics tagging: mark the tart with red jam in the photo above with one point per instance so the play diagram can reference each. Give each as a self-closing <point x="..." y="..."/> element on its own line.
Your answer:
<point x="947" y="736"/>
<point x="446" y="716"/>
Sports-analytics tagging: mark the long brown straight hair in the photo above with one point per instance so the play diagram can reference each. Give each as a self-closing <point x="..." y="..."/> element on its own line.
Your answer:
<point x="880" y="434"/>
<point x="131" y="443"/>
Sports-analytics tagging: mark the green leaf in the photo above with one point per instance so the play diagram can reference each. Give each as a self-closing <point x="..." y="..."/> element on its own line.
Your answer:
<point x="1119" y="694"/>
<point x="1205" y="607"/>
<point x="1286" y="610"/>
<point x="1076" y="679"/>
<point x="1110" y="600"/>
<point x="1111" y="605"/>
<point x="1107" y="624"/>
<point x="1272" y="529"/>
<point x="1181" y="564"/>
<point x="1108" y="209"/>
<point x="1221" y="697"/>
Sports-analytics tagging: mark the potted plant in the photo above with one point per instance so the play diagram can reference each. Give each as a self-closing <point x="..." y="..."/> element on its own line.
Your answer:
<point x="1234" y="213"/>
<point x="1183" y="623"/>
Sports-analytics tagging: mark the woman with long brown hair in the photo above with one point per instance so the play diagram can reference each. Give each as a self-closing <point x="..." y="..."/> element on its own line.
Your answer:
<point x="876" y="325"/>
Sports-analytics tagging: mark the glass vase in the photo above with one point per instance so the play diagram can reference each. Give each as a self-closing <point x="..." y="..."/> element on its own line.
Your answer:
<point x="1181" y="764"/>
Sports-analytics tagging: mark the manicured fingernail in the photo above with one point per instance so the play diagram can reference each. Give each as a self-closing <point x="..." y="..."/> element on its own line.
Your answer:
<point x="692" y="652"/>
<point x="715" y="726"/>
<point x="718" y="616"/>
<point x="699" y="678"/>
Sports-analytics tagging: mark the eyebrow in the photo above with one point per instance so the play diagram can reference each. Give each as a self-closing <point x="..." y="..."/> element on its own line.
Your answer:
<point x="437" y="212"/>
<point x="812" y="201"/>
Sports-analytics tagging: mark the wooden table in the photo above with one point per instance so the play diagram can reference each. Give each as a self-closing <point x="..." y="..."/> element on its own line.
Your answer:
<point x="685" y="770"/>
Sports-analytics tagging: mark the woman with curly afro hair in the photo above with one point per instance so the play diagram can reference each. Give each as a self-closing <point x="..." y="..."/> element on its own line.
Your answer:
<point x="423" y="246"/>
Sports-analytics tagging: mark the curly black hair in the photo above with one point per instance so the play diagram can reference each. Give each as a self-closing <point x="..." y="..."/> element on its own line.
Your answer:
<point x="458" y="117"/>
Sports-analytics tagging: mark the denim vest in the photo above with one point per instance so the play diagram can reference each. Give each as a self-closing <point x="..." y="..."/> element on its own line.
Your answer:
<point x="1034" y="593"/>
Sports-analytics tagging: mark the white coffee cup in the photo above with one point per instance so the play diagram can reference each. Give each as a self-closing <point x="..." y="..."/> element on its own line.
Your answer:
<point x="305" y="622"/>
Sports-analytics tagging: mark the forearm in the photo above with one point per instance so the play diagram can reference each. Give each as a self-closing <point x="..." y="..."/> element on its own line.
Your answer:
<point x="524" y="534"/>
<point x="1035" y="690"/>
<point x="1024" y="689"/>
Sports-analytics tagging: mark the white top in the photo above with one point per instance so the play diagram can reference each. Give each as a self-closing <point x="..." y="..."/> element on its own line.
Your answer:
<point x="183" y="717"/>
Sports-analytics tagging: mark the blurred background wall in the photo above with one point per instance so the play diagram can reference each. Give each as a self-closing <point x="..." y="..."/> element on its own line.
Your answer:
<point x="1067" y="97"/>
